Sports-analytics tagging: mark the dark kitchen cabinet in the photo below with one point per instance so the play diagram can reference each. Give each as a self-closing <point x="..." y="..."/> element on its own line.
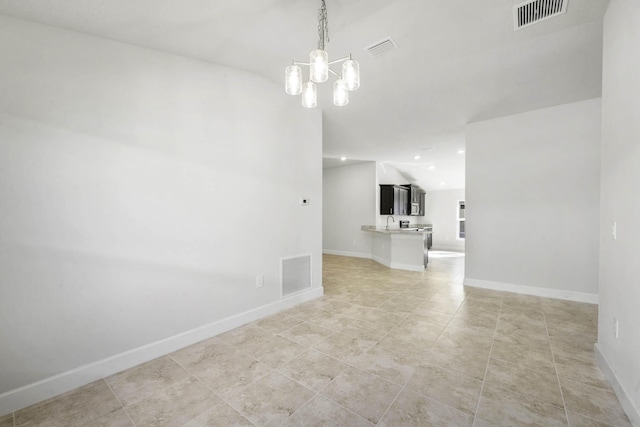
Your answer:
<point x="394" y="200"/>
<point x="414" y="193"/>
<point x="403" y="201"/>
<point x="416" y="198"/>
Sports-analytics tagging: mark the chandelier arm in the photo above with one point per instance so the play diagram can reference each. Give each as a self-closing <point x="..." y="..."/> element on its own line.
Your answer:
<point x="334" y="73"/>
<point x="330" y="63"/>
<point x="340" y="60"/>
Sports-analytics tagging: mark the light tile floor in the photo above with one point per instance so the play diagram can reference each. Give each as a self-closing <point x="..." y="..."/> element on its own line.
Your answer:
<point x="382" y="347"/>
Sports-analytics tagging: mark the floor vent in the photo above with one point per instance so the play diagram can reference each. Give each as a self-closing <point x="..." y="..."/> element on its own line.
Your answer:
<point x="381" y="47"/>
<point x="534" y="11"/>
<point x="296" y="274"/>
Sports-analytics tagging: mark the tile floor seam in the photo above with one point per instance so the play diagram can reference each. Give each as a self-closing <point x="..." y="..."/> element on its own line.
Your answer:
<point x="344" y="361"/>
<point x="301" y="406"/>
<point x="387" y="334"/>
<point x="413" y="390"/>
<point x="286" y="360"/>
<point x="555" y="367"/>
<point x="327" y="398"/>
<point x="324" y="386"/>
<point x="213" y="391"/>
<point x="244" y="353"/>
<point x="404" y="386"/>
<point x="486" y="371"/>
<point x="350" y="365"/>
<point x="120" y="402"/>
<point x="591" y="419"/>
<point x="239" y="410"/>
<point x="390" y="405"/>
<point x="134" y="402"/>
<point x="333" y="401"/>
<point x="526" y="367"/>
<point x="279" y="373"/>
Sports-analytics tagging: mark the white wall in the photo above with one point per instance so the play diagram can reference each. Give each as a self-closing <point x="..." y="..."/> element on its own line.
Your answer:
<point x="620" y="203"/>
<point x="141" y="194"/>
<point x="441" y="210"/>
<point x="349" y="202"/>
<point x="533" y="201"/>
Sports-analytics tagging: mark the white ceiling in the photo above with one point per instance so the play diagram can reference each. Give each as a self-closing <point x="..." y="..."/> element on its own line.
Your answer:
<point x="458" y="61"/>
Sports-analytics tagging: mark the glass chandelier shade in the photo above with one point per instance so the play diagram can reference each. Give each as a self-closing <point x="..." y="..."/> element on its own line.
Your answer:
<point x="319" y="65"/>
<point x="351" y="74"/>
<point x="293" y="80"/>
<point x="309" y="95"/>
<point x="319" y="69"/>
<point x="340" y="93"/>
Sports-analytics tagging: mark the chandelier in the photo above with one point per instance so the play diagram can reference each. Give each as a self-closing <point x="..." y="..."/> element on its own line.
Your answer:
<point x="319" y="71"/>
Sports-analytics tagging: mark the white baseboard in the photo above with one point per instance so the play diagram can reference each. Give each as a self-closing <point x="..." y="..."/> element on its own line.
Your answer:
<point x="447" y="248"/>
<point x="407" y="267"/>
<point x="22" y="397"/>
<point x="345" y="253"/>
<point x="381" y="261"/>
<point x="397" y="266"/>
<point x="633" y="413"/>
<point x="533" y="290"/>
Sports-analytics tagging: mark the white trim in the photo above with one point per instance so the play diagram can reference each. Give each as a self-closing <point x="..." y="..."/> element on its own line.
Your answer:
<point x="381" y="261"/>
<point x="533" y="290"/>
<point x="396" y="266"/>
<point x="448" y="248"/>
<point x="345" y="253"/>
<point x="633" y="413"/>
<point x="408" y="267"/>
<point x="22" y="397"/>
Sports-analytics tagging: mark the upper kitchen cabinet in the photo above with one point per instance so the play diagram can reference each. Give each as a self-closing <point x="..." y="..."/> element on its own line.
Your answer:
<point x="416" y="201"/>
<point x="394" y="200"/>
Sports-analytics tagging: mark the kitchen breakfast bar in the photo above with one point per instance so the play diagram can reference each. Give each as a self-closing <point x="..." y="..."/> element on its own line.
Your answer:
<point x="401" y="248"/>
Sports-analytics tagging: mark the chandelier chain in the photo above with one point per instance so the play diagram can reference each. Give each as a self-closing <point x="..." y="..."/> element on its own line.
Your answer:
<point x="323" y="26"/>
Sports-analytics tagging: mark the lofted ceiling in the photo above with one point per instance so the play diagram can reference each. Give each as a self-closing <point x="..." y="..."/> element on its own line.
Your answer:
<point x="457" y="61"/>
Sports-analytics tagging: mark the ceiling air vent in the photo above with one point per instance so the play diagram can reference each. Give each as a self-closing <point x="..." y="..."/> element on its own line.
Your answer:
<point x="534" y="11"/>
<point x="383" y="46"/>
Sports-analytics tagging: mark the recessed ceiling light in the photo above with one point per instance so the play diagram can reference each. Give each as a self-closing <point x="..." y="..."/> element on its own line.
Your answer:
<point x="442" y="183"/>
<point x="343" y="158"/>
<point x="431" y="168"/>
<point x="417" y="158"/>
<point x="460" y="151"/>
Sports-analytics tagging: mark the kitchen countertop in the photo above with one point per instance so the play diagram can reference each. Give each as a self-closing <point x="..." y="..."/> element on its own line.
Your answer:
<point x="413" y="229"/>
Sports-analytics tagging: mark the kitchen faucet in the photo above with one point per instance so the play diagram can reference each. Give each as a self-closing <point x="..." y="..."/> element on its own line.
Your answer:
<point x="392" y="218"/>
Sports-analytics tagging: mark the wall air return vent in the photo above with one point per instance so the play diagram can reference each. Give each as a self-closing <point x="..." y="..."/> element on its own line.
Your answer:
<point x="296" y="274"/>
<point x="381" y="47"/>
<point x="533" y="11"/>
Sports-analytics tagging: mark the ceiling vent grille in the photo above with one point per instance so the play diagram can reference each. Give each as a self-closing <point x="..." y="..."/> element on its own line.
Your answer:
<point x="534" y="11"/>
<point x="381" y="47"/>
